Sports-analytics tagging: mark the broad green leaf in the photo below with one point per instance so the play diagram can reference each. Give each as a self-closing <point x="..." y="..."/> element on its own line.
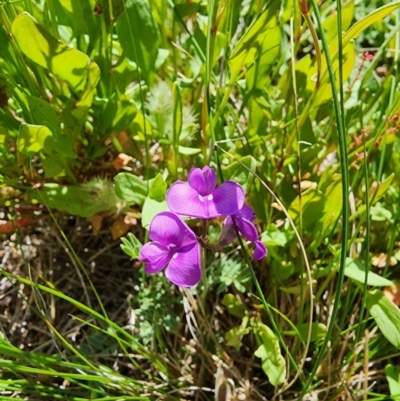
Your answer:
<point x="33" y="139"/>
<point x="183" y="150"/>
<point x="70" y="65"/>
<point x="393" y="378"/>
<point x="239" y="173"/>
<point x="356" y="271"/>
<point x="43" y="114"/>
<point x="386" y="315"/>
<point x="257" y="76"/>
<point x="330" y="23"/>
<point x="234" y="336"/>
<point x="155" y="202"/>
<point x="152" y="207"/>
<point x="158" y="189"/>
<point x="81" y="17"/>
<point x="71" y="199"/>
<point x="233" y="305"/>
<point x="250" y="43"/>
<point x="272" y="361"/>
<point x="52" y="167"/>
<point x="311" y="206"/>
<point x="137" y="33"/>
<point x="318" y="331"/>
<point x="131" y="188"/>
<point x="131" y="245"/>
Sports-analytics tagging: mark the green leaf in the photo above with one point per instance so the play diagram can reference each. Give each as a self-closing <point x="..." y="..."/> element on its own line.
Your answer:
<point x="131" y="188"/>
<point x="33" y="139"/>
<point x="330" y="23"/>
<point x="155" y="202"/>
<point x="393" y="378"/>
<point x="234" y="336"/>
<point x="137" y="33"/>
<point x="318" y="331"/>
<point x="272" y="361"/>
<point x="311" y="205"/>
<point x="258" y="75"/>
<point x="188" y="151"/>
<point x="158" y="189"/>
<point x="249" y="44"/>
<point x="52" y="167"/>
<point x="233" y="305"/>
<point x="152" y="207"/>
<point x="71" y="199"/>
<point x="356" y="271"/>
<point x="71" y="65"/>
<point x="131" y="246"/>
<point x="43" y="114"/>
<point x="239" y="173"/>
<point x="386" y="315"/>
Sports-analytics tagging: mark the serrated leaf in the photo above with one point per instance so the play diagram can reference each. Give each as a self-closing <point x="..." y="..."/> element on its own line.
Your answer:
<point x="131" y="246"/>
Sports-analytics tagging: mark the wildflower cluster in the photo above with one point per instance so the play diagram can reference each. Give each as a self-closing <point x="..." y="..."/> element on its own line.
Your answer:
<point x="175" y="247"/>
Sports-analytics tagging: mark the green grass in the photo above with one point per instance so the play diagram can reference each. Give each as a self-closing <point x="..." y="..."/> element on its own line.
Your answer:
<point x="104" y="104"/>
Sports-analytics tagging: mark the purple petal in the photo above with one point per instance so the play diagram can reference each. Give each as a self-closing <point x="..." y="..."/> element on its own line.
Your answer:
<point x="155" y="255"/>
<point x="203" y="181"/>
<point x="184" y="268"/>
<point x="247" y="229"/>
<point x="246" y="212"/>
<point x="184" y="200"/>
<point x="227" y="199"/>
<point x="260" y="250"/>
<point x="168" y="229"/>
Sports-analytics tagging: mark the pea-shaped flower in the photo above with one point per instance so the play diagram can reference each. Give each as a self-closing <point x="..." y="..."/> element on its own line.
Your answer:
<point x="244" y="222"/>
<point x="200" y="197"/>
<point x="175" y="248"/>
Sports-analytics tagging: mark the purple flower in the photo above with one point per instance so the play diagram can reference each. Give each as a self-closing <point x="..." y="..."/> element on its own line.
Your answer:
<point x="244" y="222"/>
<point x="175" y="247"/>
<point x="200" y="197"/>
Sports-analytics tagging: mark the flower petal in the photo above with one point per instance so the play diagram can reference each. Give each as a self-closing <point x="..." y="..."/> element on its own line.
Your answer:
<point x="184" y="268"/>
<point x="155" y="255"/>
<point x="227" y="199"/>
<point x="183" y="199"/>
<point x="246" y="212"/>
<point x="168" y="229"/>
<point x="260" y="251"/>
<point x="247" y="229"/>
<point x="203" y="181"/>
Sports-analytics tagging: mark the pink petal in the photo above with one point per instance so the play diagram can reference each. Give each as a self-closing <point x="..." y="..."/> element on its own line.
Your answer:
<point x="227" y="199"/>
<point x="184" y="200"/>
<point x="203" y="181"/>
<point x="260" y="251"/>
<point x="155" y="255"/>
<point x="167" y="228"/>
<point x="184" y="268"/>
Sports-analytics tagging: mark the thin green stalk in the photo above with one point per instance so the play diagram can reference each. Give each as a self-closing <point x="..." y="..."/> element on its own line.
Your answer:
<point x="367" y="245"/>
<point x="345" y="187"/>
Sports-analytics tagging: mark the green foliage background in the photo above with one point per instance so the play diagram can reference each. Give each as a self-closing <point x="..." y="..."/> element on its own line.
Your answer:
<point x="103" y="104"/>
